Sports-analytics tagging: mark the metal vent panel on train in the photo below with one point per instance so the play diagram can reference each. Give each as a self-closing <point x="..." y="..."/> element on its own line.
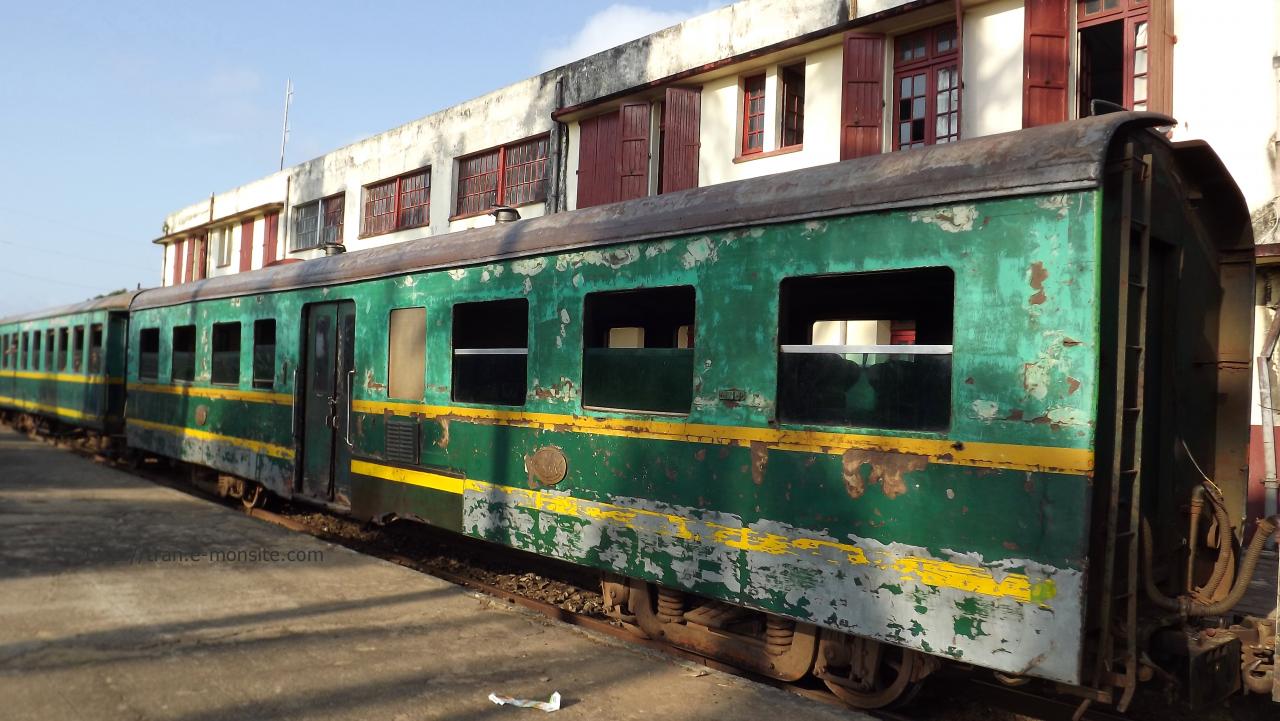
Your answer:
<point x="401" y="440"/>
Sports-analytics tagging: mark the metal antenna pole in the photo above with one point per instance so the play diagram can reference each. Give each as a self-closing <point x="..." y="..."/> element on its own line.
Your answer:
<point x="284" y="132"/>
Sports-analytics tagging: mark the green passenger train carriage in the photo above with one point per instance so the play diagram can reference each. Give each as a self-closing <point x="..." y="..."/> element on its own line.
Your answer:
<point x="872" y="398"/>
<point x="65" y="365"/>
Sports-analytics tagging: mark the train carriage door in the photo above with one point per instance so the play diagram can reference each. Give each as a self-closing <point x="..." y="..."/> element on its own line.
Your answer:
<point x="329" y="373"/>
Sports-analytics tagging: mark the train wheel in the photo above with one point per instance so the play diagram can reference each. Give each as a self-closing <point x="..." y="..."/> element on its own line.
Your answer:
<point x="867" y="674"/>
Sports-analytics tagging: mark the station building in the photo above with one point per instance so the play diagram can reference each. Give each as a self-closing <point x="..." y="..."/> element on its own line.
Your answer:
<point x="765" y="86"/>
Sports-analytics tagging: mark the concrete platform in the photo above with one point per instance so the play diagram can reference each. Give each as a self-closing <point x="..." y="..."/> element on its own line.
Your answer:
<point x="111" y="607"/>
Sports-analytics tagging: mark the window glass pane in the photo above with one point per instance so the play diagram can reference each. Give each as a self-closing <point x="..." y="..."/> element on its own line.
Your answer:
<point x="1140" y="88"/>
<point x="321" y="359"/>
<point x="306" y="226"/>
<point x="1140" y="35"/>
<point x="148" y="353"/>
<point x="524" y="177"/>
<point x="638" y="350"/>
<point x="1140" y="61"/>
<point x="264" y="353"/>
<point x="95" y="347"/>
<point x="64" y="349"/>
<point x="331" y="220"/>
<point x="847" y="357"/>
<point x="183" y="362"/>
<point x="490" y="352"/>
<point x="379" y="208"/>
<point x="415" y="196"/>
<point x="477" y="183"/>
<point x="226" y="353"/>
<point x="407" y="354"/>
<point x="50" y="345"/>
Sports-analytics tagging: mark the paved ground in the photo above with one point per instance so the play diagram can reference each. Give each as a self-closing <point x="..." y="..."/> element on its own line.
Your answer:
<point x="112" y="608"/>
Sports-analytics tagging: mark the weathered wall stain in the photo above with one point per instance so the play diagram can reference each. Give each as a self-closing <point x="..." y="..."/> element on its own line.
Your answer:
<point x="1038" y="274"/>
<point x="887" y="469"/>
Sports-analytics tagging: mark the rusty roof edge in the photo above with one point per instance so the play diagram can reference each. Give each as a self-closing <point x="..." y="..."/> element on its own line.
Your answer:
<point x="115" y="301"/>
<point x="1053" y="158"/>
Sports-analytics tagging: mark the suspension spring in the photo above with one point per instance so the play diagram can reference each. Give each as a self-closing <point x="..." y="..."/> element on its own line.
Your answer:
<point x="670" y="605"/>
<point x="778" y="634"/>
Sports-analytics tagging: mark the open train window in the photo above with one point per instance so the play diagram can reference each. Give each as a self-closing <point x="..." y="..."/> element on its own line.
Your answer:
<point x="183" y="361"/>
<point x="407" y="354"/>
<point x="868" y="349"/>
<point x="264" y="353"/>
<point x="638" y="350"/>
<point x="4" y="358"/>
<point x="226" y="354"/>
<point x="77" y="348"/>
<point x="95" y="348"/>
<point x="491" y="352"/>
<point x="26" y="350"/>
<point x="49" y="346"/>
<point x="149" y="353"/>
<point x="63" y="349"/>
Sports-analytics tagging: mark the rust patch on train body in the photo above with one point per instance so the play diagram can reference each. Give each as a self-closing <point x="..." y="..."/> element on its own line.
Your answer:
<point x="759" y="461"/>
<point x="1038" y="275"/>
<point x="443" y="440"/>
<point x="886" y="469"/>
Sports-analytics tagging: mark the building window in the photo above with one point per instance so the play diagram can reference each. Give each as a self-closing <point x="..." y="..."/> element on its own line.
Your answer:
<point x="397" y="204"/>
<point x="491" y="351"/>
<point x="871" y="350"/>
<point x="77" y="348"/>
<point x="183" y="362"/>
<point x="1114" y="53"/>
<point x="513" y="174"/>
<point x="95" y="348"/>
<point x="224" y="246"/>
<point x="926" y="88"/>
<point x="264" y="353"/>
<point x="638" y="350"/>
<point x="149" y="353"/>
<point x="753" y="115"/>
<point x="792" y="105"/>
<point x="318" y="223"/>
<point x="226" y="354"/>
<point x="407" y="354"/>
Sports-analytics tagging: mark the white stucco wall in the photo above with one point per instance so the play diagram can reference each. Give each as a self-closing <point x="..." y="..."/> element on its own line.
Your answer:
<point x="992" y="69"/>
<point x="1224" y="87"/>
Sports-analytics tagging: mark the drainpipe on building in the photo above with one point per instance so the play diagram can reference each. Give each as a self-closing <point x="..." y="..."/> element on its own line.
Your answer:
<point x="1269" y="481"/>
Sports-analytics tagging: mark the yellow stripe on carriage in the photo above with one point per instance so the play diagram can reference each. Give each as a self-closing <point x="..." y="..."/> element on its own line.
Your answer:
<point x="435" y="481"/>
<point x="217" y="394"/>
<point x="269" y="449"/>
<point x="62" y="377"/>
<point x="1010" y="456"/>
<point x="44" y="408"/>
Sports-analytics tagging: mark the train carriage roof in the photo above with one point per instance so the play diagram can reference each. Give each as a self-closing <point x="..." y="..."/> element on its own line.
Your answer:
<point x="115" y="301"/>
<point x="1052" y="158"/>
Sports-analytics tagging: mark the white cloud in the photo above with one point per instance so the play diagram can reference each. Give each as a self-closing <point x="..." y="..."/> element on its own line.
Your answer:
<point x="615" y="25"/>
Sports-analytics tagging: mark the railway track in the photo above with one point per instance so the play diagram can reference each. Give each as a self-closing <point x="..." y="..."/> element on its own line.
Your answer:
<point x="568" y="594"/>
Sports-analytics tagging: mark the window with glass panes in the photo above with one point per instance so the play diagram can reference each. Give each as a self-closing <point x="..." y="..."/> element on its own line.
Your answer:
<point x="397" y="204"/>
<point x="1114" y="53"/>
<point x="753" y="115"/>
<point x="792" y="105"/>
<point x="318" y="223"/>
<point x="926" y="88"/>
<point x="512" y="174"/>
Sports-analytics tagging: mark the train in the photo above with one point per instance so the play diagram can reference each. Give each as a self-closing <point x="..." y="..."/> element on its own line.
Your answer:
<point x="980" y="405"/>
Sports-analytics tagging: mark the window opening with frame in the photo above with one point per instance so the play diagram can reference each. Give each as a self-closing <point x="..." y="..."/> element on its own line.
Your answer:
<point x="397" y="204"/>
<point x="77" y="349"/>
<point x="1114" y="53"/>
<point x="225" y="342"/>
<point x="182" y="366"/>
<point x="792" y="105"/>
<point x="95" y="348"/>
<point x="514" y="174"/>
<point x="926" y="88"/>
<point x="638" y="350"/>
<point x="407" y="354"/>
<point x="4" y="358"/>
<point x="26" y="351"/>
<point x="491" y="352"/>
<point x="224" y="246"/>
<point x="64" y="348"/>
<point x="149" y="353"/>
<point x="753" y="115"/>
<point x="50" y="346"/>
<point x="264" y="353"/>
<point x="871" y="350"/>
<point x="318" y="223"/>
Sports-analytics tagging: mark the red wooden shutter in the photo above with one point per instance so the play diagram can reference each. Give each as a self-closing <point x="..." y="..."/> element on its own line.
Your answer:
<point x="598" y="160"/>
<point x="270" y="229"/>
<point x="1046" y="62"/>
<point x="201" y="258"/>
<point x="681" y="138"/>
<point x="189" y="261"/>
<point x="179" y="262"/>
<point x="246" y="245"/>
<point x="633" y="156"/>
<point x="862" y="99"/>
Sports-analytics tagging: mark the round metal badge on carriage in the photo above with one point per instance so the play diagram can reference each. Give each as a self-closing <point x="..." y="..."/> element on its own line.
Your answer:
<point x="547" y="464"/>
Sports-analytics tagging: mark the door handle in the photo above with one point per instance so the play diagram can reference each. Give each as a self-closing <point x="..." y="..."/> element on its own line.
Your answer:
<point x="351" y="380"/>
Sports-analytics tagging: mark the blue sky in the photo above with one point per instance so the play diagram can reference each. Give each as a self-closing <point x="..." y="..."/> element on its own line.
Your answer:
<point x="114" y="114"/>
